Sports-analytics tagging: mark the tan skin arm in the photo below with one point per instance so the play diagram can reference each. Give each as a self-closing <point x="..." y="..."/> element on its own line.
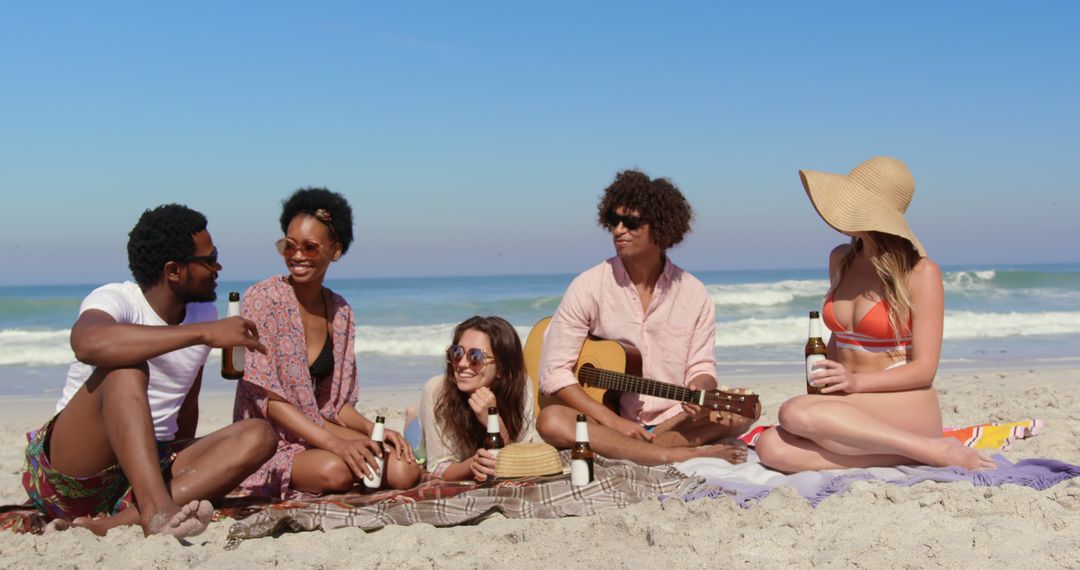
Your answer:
<point x="188" y="420"/>
<point x="358" y="454"/>
<point x="98" y="340"/>
<point x="482" y="399"/>
<point x="353" y="420"/>
<point x="482" y="464"/>
<point x="478" y="467"/>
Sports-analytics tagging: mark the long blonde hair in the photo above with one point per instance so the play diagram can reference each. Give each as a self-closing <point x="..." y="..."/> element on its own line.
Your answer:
<point x="893" y="261"/>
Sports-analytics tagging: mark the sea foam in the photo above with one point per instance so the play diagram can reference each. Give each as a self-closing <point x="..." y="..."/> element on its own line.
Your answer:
<point x="766" y="294"/>
<point x="50" y="348"/>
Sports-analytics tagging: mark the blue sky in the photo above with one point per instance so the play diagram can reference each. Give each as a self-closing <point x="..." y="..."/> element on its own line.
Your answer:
<point x="475" y="138"/>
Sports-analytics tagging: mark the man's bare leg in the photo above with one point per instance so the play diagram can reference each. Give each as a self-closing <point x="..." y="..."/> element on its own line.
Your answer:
<point x="206" y="470"/>
<point x="108" y="422"/>
<point x="680" y="431"/>
<point x="556" y="425"/>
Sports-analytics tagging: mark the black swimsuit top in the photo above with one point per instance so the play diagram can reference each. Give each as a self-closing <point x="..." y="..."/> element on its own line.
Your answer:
<point x="324" y="362"/>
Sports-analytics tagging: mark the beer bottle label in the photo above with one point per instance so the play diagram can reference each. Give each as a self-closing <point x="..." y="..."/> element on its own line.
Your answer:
<point x="378" y="434"/>
<point x="810" y="360"/>
<point x="238" y="358"/>
<point x="580" y="472"/>
<point x="376" y="480"/>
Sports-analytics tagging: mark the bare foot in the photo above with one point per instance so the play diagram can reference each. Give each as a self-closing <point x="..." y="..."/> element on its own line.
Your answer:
<point x="731" y="450"/>
<point x="189" y="520"/>
<point x="954" y="453"/>
<point x="99" y="526"/>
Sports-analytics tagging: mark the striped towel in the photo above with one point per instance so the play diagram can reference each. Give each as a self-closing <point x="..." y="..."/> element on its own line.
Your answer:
<point x="982" y="436"/>
<point x="996" y="435"/>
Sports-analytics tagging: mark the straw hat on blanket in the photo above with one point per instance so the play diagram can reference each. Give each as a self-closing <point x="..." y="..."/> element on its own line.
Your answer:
<point x="872" y="197"/>
<point x="528" y="459"/>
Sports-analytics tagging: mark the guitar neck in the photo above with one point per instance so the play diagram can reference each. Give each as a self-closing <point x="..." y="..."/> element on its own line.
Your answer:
<point x="621" y="382"/>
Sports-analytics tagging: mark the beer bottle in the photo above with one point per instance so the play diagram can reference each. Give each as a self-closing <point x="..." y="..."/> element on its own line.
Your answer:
<point x="232" y="357"/>
<point x="815" y="350"/>
<point x="581" y="458"/>
<point x="378" y="433"/>
<point x="493" y="441"/>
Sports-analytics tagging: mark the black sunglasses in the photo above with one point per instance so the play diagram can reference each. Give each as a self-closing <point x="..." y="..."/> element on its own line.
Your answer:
<point x="210" y="260"/>
<point x="477" y="356"/>
<point x="629" y="222"/>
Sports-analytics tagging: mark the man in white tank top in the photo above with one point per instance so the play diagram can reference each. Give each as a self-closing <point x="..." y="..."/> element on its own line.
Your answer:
<point x="121" y="442"/>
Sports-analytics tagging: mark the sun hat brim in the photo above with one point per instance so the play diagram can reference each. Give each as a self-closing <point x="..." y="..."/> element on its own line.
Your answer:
<point x="849" y="206"/>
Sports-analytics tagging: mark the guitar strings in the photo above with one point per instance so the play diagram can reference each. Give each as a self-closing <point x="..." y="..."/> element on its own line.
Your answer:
<point x="621" y="381"/>
<point x="637" y="384"/>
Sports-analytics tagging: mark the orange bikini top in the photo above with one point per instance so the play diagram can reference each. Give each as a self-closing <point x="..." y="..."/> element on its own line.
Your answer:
<point x="871" y="334"/>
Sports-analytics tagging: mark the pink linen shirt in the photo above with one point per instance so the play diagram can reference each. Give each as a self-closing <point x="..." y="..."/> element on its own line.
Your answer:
<point x="676" y="336"/>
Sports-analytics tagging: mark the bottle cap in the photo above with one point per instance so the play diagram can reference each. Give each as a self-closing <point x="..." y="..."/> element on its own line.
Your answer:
<point x="380" y="420"/>
<point x="234" y="296"/>
<point x="581" y="418"/>
<point x="492" y="411"/>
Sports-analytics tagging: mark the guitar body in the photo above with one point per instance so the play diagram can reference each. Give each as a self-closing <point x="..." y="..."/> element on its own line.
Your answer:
<point x="597" y="353"/>
<point x="605" y="369"/>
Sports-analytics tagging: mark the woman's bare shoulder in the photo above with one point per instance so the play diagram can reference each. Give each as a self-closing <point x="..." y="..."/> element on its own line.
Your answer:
<point x="835" y="257"/>
<point x="925" y="269"/>
<point x="925" y="279"/>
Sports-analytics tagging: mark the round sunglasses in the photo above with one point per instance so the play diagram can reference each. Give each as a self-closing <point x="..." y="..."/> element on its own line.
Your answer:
<point x="288" y="248"/>
<point x="477" y="357"/>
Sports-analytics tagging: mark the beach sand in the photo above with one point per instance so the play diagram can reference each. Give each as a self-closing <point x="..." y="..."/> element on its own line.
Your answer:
<point x="873" y="525"/>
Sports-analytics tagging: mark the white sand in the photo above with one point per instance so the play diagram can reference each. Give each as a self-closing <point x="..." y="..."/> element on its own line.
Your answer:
<point x="874" y="525"/>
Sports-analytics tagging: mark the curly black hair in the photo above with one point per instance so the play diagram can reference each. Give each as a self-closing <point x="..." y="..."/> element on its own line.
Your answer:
<point x="161" y="235"/>
<point x="657" y="201"/>
<point x="308" y="200"/>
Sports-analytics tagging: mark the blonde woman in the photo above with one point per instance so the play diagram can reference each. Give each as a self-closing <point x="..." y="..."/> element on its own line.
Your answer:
<point x="885" y="306"/>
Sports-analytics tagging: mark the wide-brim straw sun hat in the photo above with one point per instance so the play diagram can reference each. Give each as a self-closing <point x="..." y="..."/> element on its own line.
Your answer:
<point x="527" y="460"/>
<point x="872" y="197"/>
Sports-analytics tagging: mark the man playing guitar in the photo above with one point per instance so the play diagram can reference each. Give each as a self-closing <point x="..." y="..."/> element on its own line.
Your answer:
<point x="646" y="303"/>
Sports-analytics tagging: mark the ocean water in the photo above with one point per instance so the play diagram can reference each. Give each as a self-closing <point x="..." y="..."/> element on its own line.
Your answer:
<point x="994" y="317"/>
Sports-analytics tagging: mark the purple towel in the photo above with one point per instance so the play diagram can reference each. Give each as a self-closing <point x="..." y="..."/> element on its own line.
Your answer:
<point x="1038" y="474"/>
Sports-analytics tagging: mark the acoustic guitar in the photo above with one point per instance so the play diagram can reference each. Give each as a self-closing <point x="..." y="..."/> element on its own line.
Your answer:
<point x="606" y="368"/>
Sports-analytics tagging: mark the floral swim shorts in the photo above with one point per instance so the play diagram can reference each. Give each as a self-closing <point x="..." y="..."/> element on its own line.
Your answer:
<point x="60" y="496"/>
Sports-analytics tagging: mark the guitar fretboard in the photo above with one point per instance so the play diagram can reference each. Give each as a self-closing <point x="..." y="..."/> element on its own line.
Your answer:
<point x="622" y="382"/>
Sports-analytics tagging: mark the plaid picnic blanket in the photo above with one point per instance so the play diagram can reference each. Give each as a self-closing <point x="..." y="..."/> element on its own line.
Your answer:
<point x="618" y="484"/>
<point x="439" y="503"/>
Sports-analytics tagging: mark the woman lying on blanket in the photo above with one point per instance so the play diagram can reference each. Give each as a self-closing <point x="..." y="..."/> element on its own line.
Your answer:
<point x="484" y="368"/>
<point x="306" y="384"/>
<point x="885" y="307"/>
